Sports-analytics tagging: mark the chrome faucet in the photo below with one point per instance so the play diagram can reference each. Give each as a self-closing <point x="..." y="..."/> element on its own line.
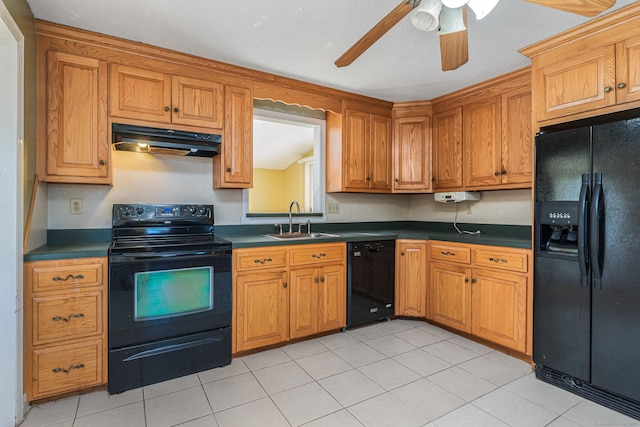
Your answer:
<point x="290" y="217"/>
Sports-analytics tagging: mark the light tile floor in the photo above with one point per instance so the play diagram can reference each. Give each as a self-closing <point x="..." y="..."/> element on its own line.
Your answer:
<point x="399" y="373"/>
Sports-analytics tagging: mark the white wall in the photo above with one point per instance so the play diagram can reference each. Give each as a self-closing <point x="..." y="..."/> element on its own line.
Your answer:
<point x="140" y="178"/>
<point x="143" y="178"/>
<point x="495" y="207"/>
<point x="11" y="190"/>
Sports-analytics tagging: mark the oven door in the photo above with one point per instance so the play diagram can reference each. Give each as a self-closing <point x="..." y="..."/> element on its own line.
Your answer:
<point x="167" y="295"/>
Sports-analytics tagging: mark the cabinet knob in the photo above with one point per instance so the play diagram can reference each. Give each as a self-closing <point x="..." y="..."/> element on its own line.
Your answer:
<point x="621" y="85"/>
<point x="322" y="279"/>
<point x="229" y="170"/>
<point x="166" y="108"/>
<point x="316" y="280"/>
<point x="175" y="109"/>
<point x="101" y="162"/>
<point x="368" y="178"/>
<point x="607" y="89"/>
<point x="466" y="280"/>
<point x="284" y="285"/>
<point x="496" y="173"/>
<point x="402" y="253"/>
<point x="473" y="280"/>
<point x="503" y="172"/>
<point x="397" y="180"/>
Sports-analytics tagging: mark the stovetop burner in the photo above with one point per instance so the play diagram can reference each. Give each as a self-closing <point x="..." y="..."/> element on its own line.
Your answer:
<point x="144" y="228"/>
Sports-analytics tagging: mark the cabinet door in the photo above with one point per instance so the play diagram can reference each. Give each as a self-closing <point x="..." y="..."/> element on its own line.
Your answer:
<point x="500" y="308"/>
<point x="305" y="283"/>
<point x="628" y="70"/>
<point x="569" y="85"/>
<point x="139" y="94"/>
<point x="411" y="278"/>
<point x="356" y="150"/>
<point x="197" y="102"/>
<point x="517" y="140"/>
<point x="261" y="309"/>
<point x="332" y="298"/>
<point x="233" y="168"/>
<point x="77" y="142"/>
<point x="449" y="295"/>
<point x="482" y="138"/>
<point x="412" y="154"/>
<point x="380" y="153"/>
<point x="447" y="149"/>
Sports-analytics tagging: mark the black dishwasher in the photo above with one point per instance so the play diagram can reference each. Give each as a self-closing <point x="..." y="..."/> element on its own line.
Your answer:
<point x="370" y="281"/>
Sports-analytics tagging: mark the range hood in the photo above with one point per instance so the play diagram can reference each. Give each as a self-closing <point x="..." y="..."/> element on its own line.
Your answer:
<point x="141" y="139"/>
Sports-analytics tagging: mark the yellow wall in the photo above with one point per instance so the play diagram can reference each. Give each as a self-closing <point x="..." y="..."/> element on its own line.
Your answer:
<point x="268" y="193"/>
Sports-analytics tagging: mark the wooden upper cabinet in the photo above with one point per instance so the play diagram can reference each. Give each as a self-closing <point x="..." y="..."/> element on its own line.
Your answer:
<point x="517" y="137"/>
<point x="158" y="97"/>
<point x="367" y="151"/>
<point x="233" y="167"/>
<point x="447" y="149"/>
<point x="592" y="69"/>
<point x="581" y="83"/>
<point x="356" y="151"/>
<point x="482" y="143"/>
<point x="412" y="154"/>
<point x="74" y="143"/>
<point x="628" y="70"/>
<point x="380" y="152"/>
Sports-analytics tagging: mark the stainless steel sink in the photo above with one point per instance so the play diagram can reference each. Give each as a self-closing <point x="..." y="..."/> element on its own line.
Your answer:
<point x="300" y="236"/>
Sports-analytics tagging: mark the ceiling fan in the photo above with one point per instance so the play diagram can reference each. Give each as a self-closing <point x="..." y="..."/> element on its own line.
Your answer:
<point x="449" y="17"/>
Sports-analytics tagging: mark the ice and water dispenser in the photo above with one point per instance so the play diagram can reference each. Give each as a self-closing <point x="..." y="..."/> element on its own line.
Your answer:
<point x="557" y="228"/>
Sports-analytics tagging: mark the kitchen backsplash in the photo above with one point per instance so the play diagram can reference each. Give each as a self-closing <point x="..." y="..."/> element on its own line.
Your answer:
<point x="169" y="179"/>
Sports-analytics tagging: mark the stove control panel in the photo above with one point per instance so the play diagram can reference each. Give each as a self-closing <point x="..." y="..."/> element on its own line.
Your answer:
<point x="161" y="213"/>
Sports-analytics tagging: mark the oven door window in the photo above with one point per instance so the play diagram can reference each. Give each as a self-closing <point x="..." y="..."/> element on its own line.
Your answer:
<point x="170" y="293"/>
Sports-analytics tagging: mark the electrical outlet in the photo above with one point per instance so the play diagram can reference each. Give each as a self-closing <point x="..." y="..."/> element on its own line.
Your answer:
<point x="333" y="208"/>
<point x="76" y="206"/>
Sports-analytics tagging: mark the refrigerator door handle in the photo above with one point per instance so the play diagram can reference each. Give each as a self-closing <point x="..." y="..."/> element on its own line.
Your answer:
<point x="597" y="209"/>
<point x="583" y="231"/>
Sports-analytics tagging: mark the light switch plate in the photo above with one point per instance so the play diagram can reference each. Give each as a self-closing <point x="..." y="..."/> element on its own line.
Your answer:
<point x="333" y="208"/>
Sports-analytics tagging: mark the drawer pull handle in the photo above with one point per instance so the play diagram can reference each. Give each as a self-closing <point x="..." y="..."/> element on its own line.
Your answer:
<point x="318" y="255"/>
<point x="66" y="319"/>
<point x="262" y="261"/>
<point x="448" y="253"/>
<point x="496" y="260"/>
<point x="70" y="276"/>
<point x="66" y="371"/>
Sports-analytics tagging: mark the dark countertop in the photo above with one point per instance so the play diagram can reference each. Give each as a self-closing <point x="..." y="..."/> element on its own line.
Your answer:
<point x="95" y="242"/>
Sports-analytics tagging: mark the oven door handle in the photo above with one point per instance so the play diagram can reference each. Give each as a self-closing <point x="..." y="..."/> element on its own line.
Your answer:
<point x="170" y="348"/>
<point x="147" y="256"/>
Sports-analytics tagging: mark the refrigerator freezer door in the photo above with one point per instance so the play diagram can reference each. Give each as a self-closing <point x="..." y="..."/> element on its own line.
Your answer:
<point x="616" y="305"/>
<point x="562" y="306"/>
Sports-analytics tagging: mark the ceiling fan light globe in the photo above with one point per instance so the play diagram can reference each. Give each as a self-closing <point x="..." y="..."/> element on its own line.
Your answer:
<point x="425" y="16"/>
<point x="451" y="20"/>
<point x="452" y="4"/>
<point x="482" y="7"/>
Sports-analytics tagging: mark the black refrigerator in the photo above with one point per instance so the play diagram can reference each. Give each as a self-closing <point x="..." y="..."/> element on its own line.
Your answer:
<point x="586" y="319"/>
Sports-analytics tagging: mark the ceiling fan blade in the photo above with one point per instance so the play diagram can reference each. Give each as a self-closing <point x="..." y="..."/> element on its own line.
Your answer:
<point x="454" y="47"/>
<point x="376" y="32"/>
<point x="588" y="8"/>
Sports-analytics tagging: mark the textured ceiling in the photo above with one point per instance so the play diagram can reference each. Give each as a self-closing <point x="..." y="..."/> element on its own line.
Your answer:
<point x="302" y="38"/>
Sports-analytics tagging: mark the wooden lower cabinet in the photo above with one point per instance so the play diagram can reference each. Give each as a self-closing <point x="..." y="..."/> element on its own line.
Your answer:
<point x="65" y="326"/>
<point x="499" y="308"/>
<point x="287" y="292"/>
<point x="450" y="295"/>
<point x="411" y="278"/>
<point x="486" y="294"/>
<point x="261" y="309"/>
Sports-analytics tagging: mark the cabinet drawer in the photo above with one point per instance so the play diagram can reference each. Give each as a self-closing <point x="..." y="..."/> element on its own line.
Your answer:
<point x="450" y="253"/>
<point x="317" y="254"/>
<point x="66" y="274"/>
<point x="499" y="258"/>
<point x="65" y="316"/>
<point x="66" y="368"/>
<point x="259" y="259"/>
